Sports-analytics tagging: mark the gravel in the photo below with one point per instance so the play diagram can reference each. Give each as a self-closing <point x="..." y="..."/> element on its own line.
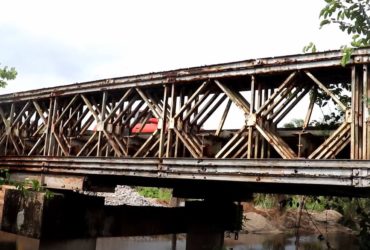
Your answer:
<point x="125" y="195"/>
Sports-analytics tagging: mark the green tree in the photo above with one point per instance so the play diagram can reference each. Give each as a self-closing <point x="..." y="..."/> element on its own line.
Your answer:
<point x="294" y="123"/>
<point x="7" y="74"/>
<point x="351" y="16"/>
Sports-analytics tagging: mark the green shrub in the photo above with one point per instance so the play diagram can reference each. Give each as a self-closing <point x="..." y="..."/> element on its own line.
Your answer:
<point x="164" y="194"/>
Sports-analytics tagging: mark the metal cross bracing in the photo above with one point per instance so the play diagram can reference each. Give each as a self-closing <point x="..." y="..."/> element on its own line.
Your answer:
<point x="109" y="118"/>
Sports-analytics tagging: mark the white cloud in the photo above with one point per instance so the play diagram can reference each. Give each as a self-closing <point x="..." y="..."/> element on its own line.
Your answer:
<point x="73" y="41"/>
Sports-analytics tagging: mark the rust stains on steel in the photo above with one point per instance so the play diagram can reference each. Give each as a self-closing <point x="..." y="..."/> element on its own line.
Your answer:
<point x="153" y="125"/>
<point x="312" y="172"/>
<point x="242" y="68"/>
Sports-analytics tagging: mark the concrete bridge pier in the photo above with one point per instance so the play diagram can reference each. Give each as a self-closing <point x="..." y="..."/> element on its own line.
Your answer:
<point x="71" y="215"/>
<point x="77" y="244"/>
<point x="200" y="237"/>
<point x="211" y="219"/>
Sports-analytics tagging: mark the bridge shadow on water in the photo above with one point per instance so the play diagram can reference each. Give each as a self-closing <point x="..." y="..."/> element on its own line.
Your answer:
<point x="84" y="223"/>
<point x="165" y="242"/>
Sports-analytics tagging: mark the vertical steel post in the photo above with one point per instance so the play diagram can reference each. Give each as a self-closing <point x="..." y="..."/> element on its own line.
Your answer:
<point x="47" y="129"/>
<point x="169" y="150"/>
<point x="100" y="123"/>
<point x="356" y="120"/>
<point x="353" y="110"/>
<point x="177" y="140"/>
<point x="365" y="116"/>
<point x="53" y="118"/>
<point x="252" y="110"/>
<point x="258" y="105"/>
<point x="162" y="124"/>
<point x="9" y="127"/>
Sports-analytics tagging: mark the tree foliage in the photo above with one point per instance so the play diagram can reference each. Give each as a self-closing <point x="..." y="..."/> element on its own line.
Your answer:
<point x="7" y="74"/>
<point x="294" y="123"/>
<point x="352" y="17"/>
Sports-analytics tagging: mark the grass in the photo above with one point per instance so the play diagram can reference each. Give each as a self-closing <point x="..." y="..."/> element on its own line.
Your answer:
<point x="164" y="194"/>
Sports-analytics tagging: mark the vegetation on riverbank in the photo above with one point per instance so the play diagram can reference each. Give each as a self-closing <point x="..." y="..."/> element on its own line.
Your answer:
<point x="355" y="211"/>
<point x="24" y="186"/>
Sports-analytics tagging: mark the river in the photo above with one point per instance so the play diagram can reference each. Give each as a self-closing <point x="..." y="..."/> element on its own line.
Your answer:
<point x="163" y="242"/>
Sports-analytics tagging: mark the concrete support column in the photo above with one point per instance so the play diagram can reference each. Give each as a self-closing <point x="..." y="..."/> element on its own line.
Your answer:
<point x="199" y="237"/>
<point x="80" y="244"/>
<point x="34" y="215"/>
<point x="209" y="221"/>
<point x="75" y="216"/>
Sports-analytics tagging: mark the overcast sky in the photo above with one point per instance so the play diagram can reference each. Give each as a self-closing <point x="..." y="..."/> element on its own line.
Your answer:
<point x="60" y="42"/>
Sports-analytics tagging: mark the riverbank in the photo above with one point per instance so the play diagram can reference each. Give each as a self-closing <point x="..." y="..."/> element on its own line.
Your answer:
<point x="274" y="221"/>
<point x="256" y="220"/>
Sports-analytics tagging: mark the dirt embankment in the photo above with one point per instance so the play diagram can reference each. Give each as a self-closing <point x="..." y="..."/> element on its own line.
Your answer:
<point x="269" y="221"/>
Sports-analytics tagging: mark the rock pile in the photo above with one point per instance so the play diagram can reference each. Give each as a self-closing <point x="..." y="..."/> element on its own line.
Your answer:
<point x="125" y="195"/>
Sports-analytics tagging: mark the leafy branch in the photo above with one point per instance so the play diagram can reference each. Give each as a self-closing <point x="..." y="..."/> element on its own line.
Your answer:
<point x="353" y="17"/>
<point x="7" y="74"/>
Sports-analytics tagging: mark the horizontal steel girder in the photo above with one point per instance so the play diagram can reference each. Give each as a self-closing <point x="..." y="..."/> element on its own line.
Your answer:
<point x="353" y="173"/>
<point x="235" y="69"/>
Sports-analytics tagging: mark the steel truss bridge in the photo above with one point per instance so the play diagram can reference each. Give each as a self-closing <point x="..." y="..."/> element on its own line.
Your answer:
<point x="94" y="133"/>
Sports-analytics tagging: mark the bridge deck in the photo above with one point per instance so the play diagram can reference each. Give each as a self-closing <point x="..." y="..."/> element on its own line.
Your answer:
<point x="316" y="172"/>
<point x="171" y="125"/>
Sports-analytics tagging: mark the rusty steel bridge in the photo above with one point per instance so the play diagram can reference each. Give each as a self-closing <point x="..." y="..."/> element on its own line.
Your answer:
<point x="95" y="134"/>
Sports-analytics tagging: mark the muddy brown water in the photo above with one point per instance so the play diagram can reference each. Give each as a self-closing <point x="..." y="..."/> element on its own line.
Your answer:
<point x="163" y="242"/>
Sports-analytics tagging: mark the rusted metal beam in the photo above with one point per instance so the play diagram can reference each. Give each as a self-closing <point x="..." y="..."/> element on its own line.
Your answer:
<point x="280" y="146"/>
<point x="226" y="147"/>
<point x="237" y="99"/>
<point x="366" y="111"/>
<point x="210" y="111"/>
<point x="333" y="142"/>
<point x="302" y="172"/>
<point x="243" y="68"/>
<point x="278" y="91"/>
<point x="149" y="102"/>
<point x="310" y="110"/>
<point x="223" y="118"/>
<point x="191" y="99"/>
<point x="203" y="109"/>
<point x="99" y="119"/>
<point x="171" y="133"/>
<point x="326" y="90"/>
<point x="163" y="122"/>
<point x="290" y="105"/>
<point x="118" y="105"/>
<point x="252" y="112"/>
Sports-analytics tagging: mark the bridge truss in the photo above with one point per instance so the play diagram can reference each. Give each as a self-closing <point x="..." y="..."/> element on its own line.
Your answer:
<point x="107" y="120"/>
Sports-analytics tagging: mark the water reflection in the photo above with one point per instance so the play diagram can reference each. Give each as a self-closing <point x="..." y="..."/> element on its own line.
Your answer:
<point x="15" y="242"/>
<point x="245" y="242"/>
<point x="140" y="243"/>
<point x="338" y="241"/>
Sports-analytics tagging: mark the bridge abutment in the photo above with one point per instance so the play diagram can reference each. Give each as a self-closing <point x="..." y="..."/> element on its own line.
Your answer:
<point x="72" y="216"/>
